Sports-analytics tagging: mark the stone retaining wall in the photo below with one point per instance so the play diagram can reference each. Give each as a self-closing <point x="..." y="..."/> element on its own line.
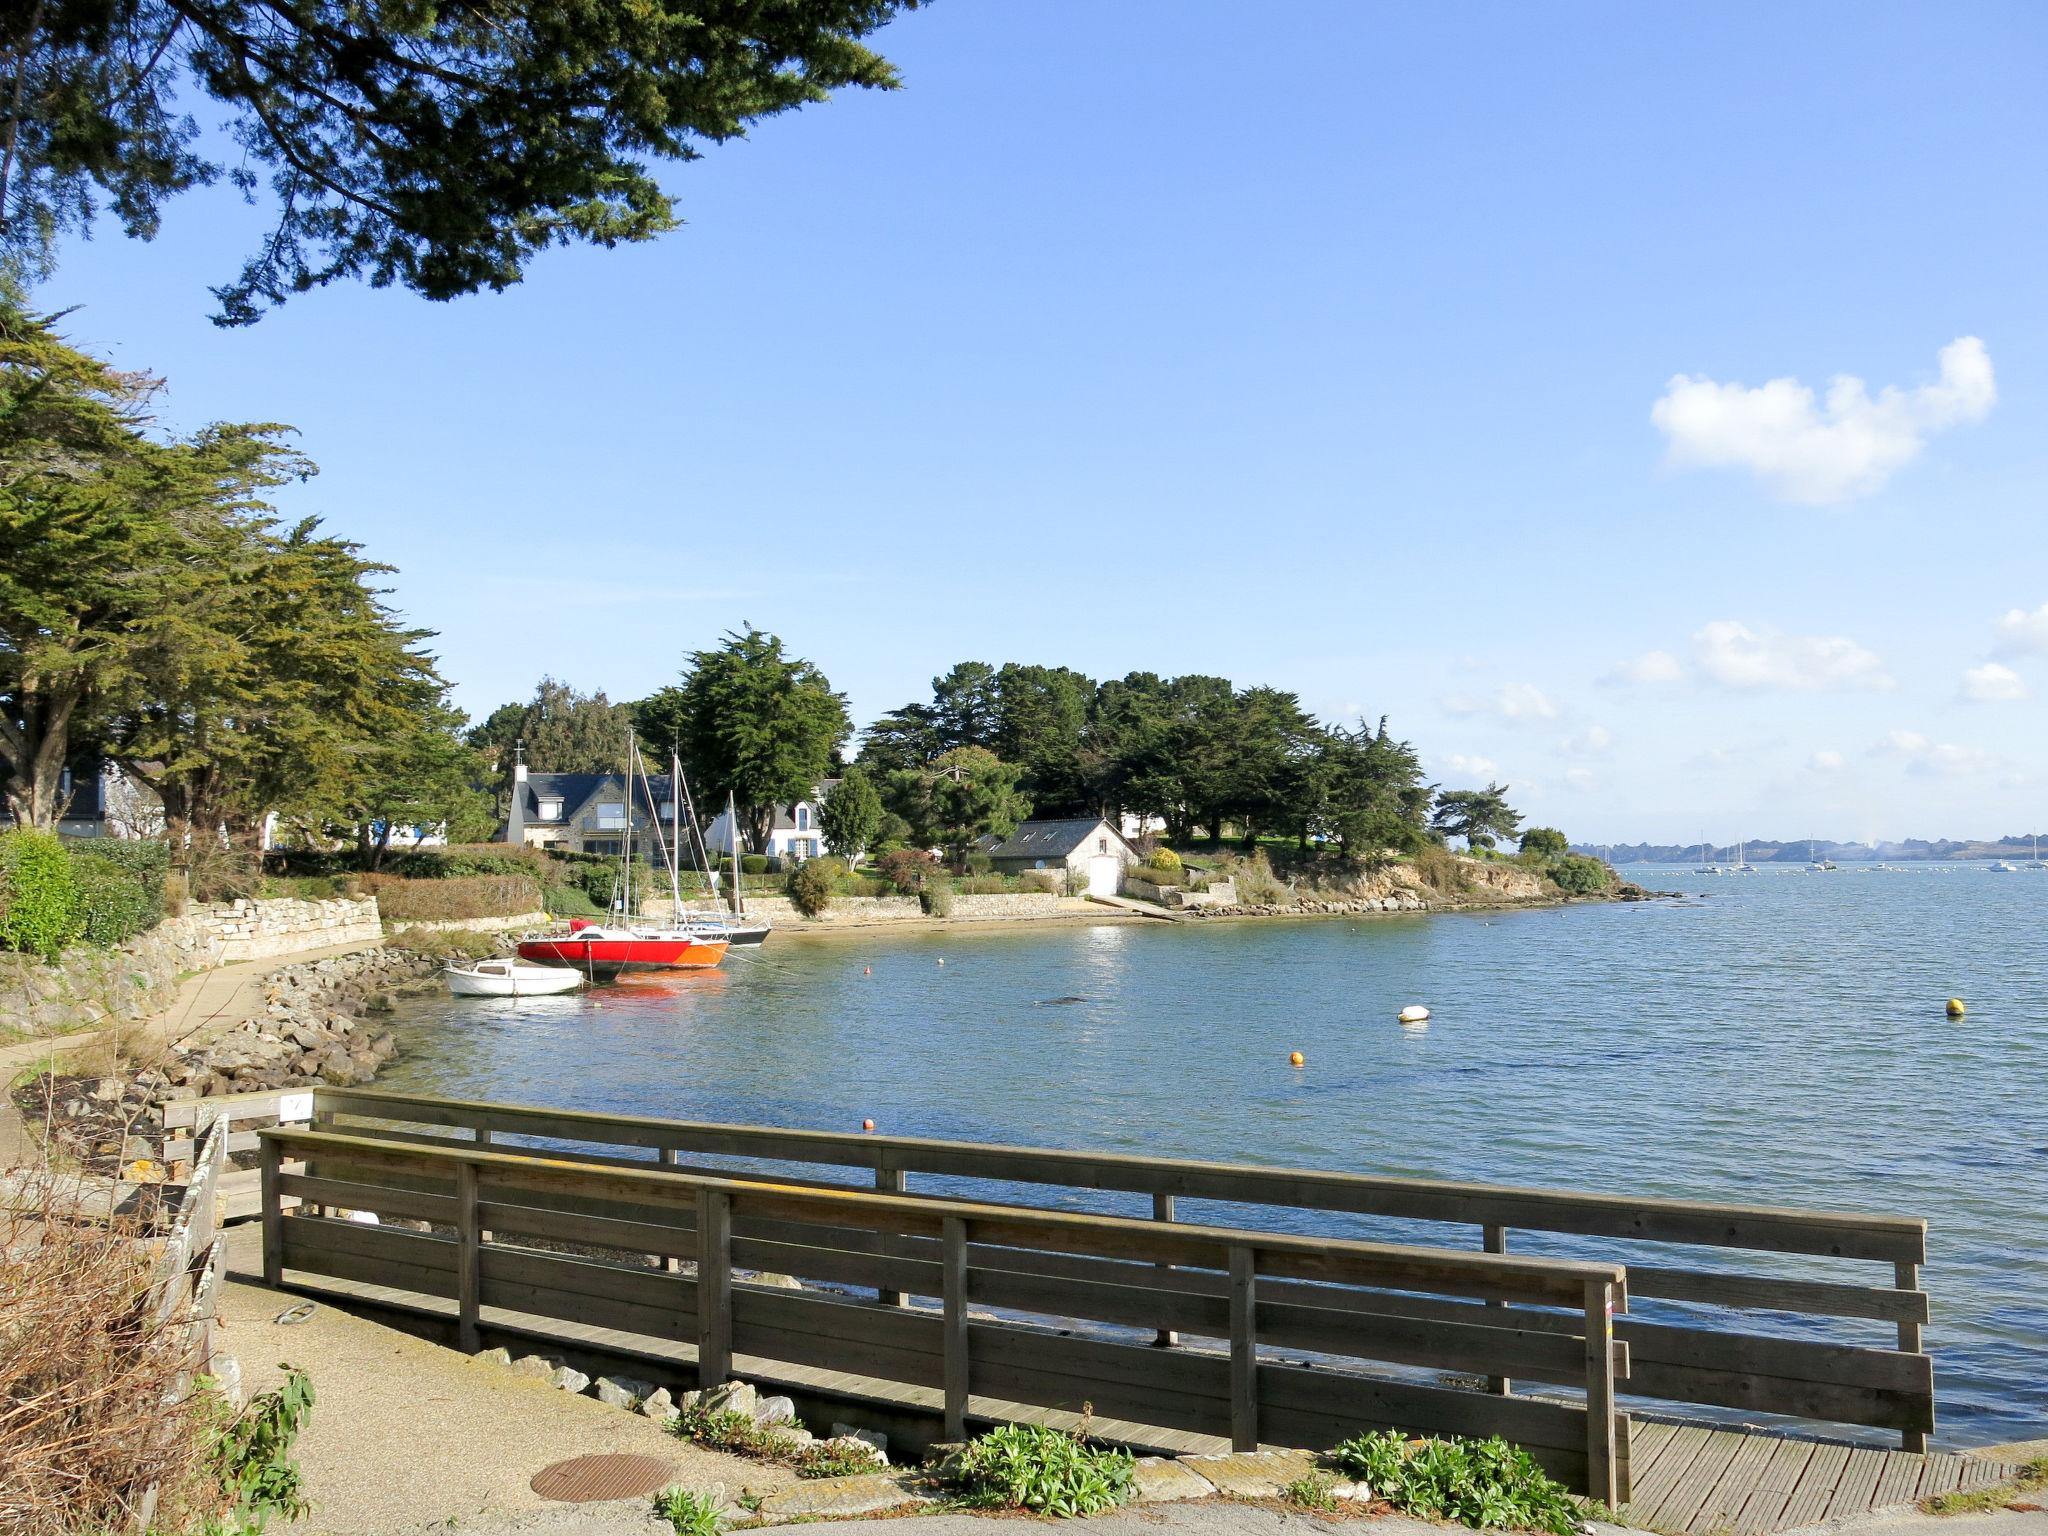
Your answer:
<point x="87" y="987"/>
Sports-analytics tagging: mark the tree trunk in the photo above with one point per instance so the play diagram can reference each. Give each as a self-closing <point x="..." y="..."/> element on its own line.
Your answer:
<point x="37" y="749"/>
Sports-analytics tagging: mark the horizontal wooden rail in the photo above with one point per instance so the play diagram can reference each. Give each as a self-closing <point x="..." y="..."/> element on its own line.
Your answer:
<point x="1844" y="1383"/>
<point x="1336" y="1299"/>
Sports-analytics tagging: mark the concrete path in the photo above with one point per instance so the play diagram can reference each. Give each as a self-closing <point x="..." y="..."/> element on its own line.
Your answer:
<point x="226" y="994"/>
<point x="410" y="1437"/>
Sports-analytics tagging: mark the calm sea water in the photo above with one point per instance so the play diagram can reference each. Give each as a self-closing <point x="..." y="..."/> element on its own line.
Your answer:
<point x="1774" y="1038"/>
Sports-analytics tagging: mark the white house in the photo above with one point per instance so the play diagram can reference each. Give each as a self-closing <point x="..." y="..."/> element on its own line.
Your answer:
<point x="1086" y="847"/>
<point x="795" y="834"/>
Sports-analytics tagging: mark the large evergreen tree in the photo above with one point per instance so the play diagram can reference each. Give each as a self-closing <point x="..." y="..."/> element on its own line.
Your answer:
<point x="758" y="725"/>
<point x="1480" y="816"/>
<point x="436" y="146"/>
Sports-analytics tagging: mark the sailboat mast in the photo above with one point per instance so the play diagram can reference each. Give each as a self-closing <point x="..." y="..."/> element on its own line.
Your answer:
<point x="675" y="818"/>
<point x="732" y="837"/>
<point x="626" y="843"/>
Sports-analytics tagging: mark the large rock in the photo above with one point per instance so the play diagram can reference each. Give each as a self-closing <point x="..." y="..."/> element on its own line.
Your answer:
<point x="623" y="1391"/>
<point x="1161" y="1479"/>
<point x="866" y="1493"/>
<point x="1252" y="1474"/>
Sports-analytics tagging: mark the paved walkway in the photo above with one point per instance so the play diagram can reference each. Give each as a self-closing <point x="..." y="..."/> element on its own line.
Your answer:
<point x="410" y="1437"/>
<point x="225" y="994"/>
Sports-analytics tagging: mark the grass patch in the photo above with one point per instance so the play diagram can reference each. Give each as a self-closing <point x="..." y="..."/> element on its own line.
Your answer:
<point x="1049" y="1472"/>
<point x="691" y="1514"/>
<point x="1312" y="1492"/>
<point x="1480" y="1483"/>
<point x="736" y="1434"/>
<point x="2033" y="1479"/>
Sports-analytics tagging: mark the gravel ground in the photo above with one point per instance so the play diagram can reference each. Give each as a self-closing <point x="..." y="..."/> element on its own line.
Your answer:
<point x="410" y="1437"/>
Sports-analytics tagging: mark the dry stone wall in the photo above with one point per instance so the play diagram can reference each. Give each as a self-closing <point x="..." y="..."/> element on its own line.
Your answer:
<point x="88" y="987"/>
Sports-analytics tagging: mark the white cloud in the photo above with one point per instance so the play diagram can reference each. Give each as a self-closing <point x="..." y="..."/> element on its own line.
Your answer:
<point x="1993" y="684"/>
<point x="2021" y="633"/>
<point x="1847" y="448"/>
<point x="1827" y="762"/>
<point x="1521" y="703"/>
<point x="1930" y="758"/>
<point x="1471" y="766"/>
<point x="1736" y="656"/>
<point x="1590" y="742"/>
<point x="1581" y="778"/>
<point x="1650" y="670"/>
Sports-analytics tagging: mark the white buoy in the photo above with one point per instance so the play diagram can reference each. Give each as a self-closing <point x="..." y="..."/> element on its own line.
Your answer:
<point x="1414" y="1013"/>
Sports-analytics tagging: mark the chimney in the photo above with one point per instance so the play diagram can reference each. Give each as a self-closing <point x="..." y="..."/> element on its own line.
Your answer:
<point x="515" y="819"/>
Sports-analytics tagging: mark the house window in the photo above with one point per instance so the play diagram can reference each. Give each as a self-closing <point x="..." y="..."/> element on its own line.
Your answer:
<point x="803" y="818"/>
<point x="609" y="845"/>
<point x="550" y="810"/>
<point x="1102" y="845"/>
<point x="668" y="810"/>
<point x="611" y="815"/>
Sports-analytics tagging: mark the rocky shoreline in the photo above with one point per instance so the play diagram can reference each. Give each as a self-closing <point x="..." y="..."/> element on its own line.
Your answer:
<point x="1342" y="906"/>
<point x="316" y="1027"/>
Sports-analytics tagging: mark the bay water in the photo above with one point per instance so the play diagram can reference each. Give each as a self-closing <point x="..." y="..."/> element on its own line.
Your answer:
<point x="1775" y="1038"/>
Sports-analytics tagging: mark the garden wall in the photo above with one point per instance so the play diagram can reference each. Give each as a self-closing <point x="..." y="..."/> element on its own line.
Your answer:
<point x="478" y="924"/>
<point x="88" y="987"/>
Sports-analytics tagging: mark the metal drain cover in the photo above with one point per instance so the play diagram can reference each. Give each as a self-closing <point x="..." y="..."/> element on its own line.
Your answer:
<point x="587" y="1479"/>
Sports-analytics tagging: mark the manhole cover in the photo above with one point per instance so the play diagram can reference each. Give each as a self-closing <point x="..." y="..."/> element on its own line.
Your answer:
<point x="589" y="1478"/>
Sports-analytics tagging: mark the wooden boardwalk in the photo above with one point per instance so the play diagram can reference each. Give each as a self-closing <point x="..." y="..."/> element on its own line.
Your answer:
<point x="1695" y="1478"/>
<point x="1690" y="1479"/>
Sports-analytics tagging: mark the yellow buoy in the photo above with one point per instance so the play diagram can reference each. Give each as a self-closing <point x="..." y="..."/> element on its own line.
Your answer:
<point x="1295" y="1059"/>
<point x="1955" y="1008"/>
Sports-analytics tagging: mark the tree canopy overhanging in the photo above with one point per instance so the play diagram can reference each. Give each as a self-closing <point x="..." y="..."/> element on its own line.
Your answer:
<point x="437" y="146"/>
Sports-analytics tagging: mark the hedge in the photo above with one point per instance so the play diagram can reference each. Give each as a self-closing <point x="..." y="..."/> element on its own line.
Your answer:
<point x="452" y="899"/>
<point x="114" y="904"/>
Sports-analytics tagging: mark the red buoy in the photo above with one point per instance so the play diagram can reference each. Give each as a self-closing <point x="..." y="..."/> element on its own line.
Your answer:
<point x="867" y="1125"/>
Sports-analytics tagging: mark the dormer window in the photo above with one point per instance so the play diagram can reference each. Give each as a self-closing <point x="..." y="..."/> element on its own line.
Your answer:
<point x="550" y="808"/>
<point x="803" y="818"/>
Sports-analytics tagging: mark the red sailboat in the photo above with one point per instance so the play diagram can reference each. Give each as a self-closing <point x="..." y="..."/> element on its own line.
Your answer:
<point x="612" y="949"/>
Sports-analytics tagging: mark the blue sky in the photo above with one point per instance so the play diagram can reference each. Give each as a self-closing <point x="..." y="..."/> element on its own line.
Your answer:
<point x="1411" y="359"/>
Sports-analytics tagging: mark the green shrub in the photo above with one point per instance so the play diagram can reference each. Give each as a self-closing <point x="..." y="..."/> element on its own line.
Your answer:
<point x="692" y="1514"/>
<point x="253" y="1457"/>
<point x="113" y="906"/>
<point x="841" y="1459"/>
<point x="1577" y="875"/>
<point x="309" y="887"/>
<point x="1480" y="1483"/>
<point x="756" y="864"/>
<point x="1166" y="859"/>
<point x="813" y="883"/>
<point x="460" y="860"/>
<point x="936" y="898"/>
<point x="979" y="863"/>
<point x="38" y="896"/>
<point x="1028" y="1466"/>
<point x="1045" y="880"/>
<point x="569" y="901"/>
<point x="1545" y="843"/>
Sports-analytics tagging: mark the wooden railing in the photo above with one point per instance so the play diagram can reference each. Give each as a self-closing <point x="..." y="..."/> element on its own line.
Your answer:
<point x="1347" y="1303"/>
<point x="185" y="1285"/>
<point x="1731" y="1365"/>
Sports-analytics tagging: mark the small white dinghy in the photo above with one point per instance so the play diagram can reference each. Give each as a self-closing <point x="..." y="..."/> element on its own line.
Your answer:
<point x="510" y="978"/>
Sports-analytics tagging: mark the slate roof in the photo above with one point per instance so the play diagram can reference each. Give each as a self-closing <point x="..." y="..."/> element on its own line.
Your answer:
<point x="578" y="790"/>
<point x="1047" y="839"/>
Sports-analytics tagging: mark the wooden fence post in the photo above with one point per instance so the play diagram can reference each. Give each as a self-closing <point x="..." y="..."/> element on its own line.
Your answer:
<point x="1907" y="1278"/>
<point x="1244" y="1349"/>
<point x="468" y="1259"/>
<point x="666" y="1157"/>
<point x="889" y="1181"/>
<point x="1162" y="1210"/>
<point x="714" y="1287"/>
<point x="1495" y="1240"/>
<point x="1602" y="1481"/>
<point x="273" y="1215"/>
<point x="953" y="1284"/>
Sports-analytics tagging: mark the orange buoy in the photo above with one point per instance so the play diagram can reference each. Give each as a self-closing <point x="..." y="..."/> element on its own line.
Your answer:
<point x="867" y="1125"/>
<point x="867" y="970"/>
<point x="1296" y="1059"/>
